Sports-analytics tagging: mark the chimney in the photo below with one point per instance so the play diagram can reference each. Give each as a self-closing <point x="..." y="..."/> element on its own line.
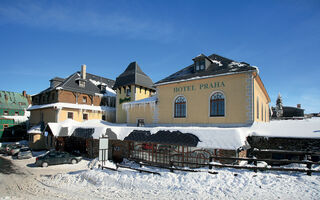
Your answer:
<point x="24" y="93"/>
<point x="83" y="71"/>
<point x="299" y="105"/>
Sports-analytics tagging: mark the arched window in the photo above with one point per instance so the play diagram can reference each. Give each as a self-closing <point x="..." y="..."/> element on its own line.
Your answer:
<point x="180" y="107"/>
<point x="217" y="105"/>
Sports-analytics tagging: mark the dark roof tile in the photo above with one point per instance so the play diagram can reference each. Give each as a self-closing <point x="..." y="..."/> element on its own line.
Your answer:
<point x="133" y="75"/>
<point x="218" y="66"/>
<point x="71" y="83"/>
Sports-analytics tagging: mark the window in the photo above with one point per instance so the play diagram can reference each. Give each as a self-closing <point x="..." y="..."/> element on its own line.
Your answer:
<point x="262" y="112"/>
<point x="84" y="100"/>
<point x="217" y="105"/>
<point x="85" y="116"/>
<point x="180" y="107"/>
<point x="6" y="112"/>
<point x="202" y="65"/>
<point x="257" y="108"/>
<point x="197" y="66"/>
<point x="128" y="92"/>
<point x="70" y="115"/>
<point x="265" y="114"/>
<point x="82" y="84"/>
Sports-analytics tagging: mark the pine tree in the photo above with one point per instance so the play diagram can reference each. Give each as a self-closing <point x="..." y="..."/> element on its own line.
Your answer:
<point x="279" y="108"/>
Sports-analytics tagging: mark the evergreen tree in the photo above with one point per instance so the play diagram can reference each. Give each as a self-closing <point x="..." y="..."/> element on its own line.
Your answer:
<point x="279" y="109"/>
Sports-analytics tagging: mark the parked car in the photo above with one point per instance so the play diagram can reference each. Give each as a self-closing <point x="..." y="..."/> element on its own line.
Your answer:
<point x="24" y="153"/>
<point x="9" y="148"/>
<point x="57" y="157"/>
<point x="3" y="149"/>
<point x="15" y="150"/>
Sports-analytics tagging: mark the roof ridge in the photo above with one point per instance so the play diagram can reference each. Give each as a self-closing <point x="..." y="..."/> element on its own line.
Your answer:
<point x="68" y="79"/>
<point x="100" y="76"/>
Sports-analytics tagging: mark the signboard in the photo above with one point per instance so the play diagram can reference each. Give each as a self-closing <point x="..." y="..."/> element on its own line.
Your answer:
<point x="202" y="86"/>
<point x="103" y="149"/>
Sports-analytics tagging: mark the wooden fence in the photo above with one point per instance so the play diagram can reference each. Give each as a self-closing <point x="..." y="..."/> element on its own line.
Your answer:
<point x="172" y="165"/>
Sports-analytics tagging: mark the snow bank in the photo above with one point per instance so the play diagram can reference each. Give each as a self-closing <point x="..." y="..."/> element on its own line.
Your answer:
<point x="227" y="184"/>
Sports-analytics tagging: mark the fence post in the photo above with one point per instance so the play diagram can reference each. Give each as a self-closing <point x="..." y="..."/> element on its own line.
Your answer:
<point x="171" y="166"/>
<point x="255" y="164"/>
<point x="210" y="160"/>
<point x="309" y="165"/>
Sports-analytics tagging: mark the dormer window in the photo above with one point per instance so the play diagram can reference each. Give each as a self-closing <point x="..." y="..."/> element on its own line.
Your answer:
<point x="200" y="65"/>
<point x="82" y="83"/>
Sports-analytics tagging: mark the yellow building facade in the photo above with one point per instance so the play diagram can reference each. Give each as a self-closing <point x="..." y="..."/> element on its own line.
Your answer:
<point x="127" y="94"/>
<point x="231" y="98"/>
<point x="47" y="115"/>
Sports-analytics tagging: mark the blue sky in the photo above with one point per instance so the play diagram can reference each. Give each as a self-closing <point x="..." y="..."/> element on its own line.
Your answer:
<point x="43" y="39"/>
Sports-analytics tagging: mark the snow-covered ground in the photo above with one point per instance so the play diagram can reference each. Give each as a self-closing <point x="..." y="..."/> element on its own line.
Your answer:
<point x="81" y="182"/>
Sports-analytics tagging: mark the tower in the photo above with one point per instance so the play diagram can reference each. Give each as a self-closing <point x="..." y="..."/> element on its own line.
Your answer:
<point x="132" y="85"/>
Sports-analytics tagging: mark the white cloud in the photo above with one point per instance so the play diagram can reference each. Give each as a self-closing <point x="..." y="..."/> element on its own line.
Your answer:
<point x="71" y="19"/>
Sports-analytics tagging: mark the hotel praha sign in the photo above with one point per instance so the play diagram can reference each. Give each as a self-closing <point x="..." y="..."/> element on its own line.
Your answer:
<point x="202" y="86"/>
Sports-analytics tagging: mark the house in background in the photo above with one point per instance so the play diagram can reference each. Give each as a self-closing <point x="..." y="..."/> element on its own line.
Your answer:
<point x="13" y="115"/>
<point x="80" y="97"/>
<point x="286" y="112"/>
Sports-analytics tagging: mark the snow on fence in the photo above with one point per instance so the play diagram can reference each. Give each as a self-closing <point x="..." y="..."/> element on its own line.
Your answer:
<point x="172" y="166"/>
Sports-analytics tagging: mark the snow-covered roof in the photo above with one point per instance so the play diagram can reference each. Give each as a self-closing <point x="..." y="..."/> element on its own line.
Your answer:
<point x="18" y="119"/>
<point x="35" y="129"/>
<point x="151" y="101"/>
<point x="71" y="105"/>
<point x="109" y="91"/>
<point x="210" y="137"/>
<point x="307" y="128"/>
